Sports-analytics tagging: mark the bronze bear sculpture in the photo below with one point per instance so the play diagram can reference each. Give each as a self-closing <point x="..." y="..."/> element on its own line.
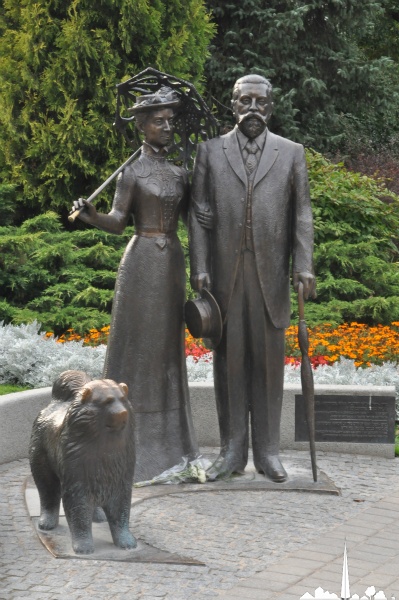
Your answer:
<point x="82" y="450"/>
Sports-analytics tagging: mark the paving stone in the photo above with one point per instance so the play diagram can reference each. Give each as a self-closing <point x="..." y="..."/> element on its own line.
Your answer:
<point x="385" y="542"/>
<point x="322" y="555"/>
<point x="379" y="581"/>
<point x="327" y="544"/>
<point x="325" y="580"/>
<point x="242" y="537"/>
<point x="20" y="585"/>
<point x="389" y="568"/>
<point x="246" y="594"/>
<point x="387" y="552"/>
<point x="360" y="531"/>
<point x="294" y="564"/>
<point x="359" y="568"/>
<point x="334" y="570"/>
<point x="287" y="578"/>
<point x="296" y="591"/>
<point x="264" y="584"/>
<point x="381" y="511"/>
<point x="366" y="555"/>
<point x="35" y="596"/>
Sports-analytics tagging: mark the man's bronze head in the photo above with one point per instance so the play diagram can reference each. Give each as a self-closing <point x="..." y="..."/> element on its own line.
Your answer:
<point x="252" y="104"/>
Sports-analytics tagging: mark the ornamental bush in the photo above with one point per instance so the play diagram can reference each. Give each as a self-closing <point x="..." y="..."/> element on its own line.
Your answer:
<point x="60" y="62"/>
<point x="60" y="278"/>
<point x="356" y="253"/>
<point x="65" y="279"/>
<point x="27" y="357"/>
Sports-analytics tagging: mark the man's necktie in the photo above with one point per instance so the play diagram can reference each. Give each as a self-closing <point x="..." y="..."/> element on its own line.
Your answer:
<point x="251" y="162"/>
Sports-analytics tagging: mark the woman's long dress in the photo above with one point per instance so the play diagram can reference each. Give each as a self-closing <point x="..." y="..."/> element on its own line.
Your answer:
<point x="146" y="343"/>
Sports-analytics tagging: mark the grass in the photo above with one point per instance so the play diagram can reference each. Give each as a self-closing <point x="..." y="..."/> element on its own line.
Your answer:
<point x="6" y="388"/>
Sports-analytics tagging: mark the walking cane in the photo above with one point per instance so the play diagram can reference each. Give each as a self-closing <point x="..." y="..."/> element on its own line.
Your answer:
<point x="307" y="378"/>
<point x="72" y="217"/>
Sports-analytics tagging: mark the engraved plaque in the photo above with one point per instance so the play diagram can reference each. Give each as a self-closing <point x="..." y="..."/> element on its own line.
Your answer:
<point x="357" y="419"/>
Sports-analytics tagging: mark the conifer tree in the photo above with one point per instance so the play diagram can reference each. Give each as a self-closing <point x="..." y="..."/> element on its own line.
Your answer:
<point x="59" y="63"/>
<point x="311" y="52"/>
<point x="384" y="39"/>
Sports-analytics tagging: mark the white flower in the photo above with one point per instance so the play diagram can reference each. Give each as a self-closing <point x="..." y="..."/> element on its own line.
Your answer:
<point x="201" y="476"/>
<point x="193" y="471"/>
<point x="184" y="472"/>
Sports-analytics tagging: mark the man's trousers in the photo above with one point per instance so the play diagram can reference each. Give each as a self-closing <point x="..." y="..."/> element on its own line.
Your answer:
<point x="249" y="371"/>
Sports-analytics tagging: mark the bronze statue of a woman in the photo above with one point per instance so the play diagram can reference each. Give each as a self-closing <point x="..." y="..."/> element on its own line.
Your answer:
<point x="146" y="342"/>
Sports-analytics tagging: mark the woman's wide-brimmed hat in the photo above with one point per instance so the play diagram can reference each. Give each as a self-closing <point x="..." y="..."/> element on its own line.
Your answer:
<point x="165" y="97"/>
<point x="203" y="318"/>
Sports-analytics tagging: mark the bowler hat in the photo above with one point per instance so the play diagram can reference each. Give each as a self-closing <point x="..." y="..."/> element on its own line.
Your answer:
<point x="203" y="318"/>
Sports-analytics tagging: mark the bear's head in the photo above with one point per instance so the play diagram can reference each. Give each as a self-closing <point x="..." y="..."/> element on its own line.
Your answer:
<point x="109" y="401"/>
<point x="100" y="409"/>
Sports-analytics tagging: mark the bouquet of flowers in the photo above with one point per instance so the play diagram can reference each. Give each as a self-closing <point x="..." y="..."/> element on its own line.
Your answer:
<point x="185" y="472"/>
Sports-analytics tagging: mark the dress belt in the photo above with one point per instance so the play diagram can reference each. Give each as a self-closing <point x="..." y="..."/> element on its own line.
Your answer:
<point x="151" y="234"/>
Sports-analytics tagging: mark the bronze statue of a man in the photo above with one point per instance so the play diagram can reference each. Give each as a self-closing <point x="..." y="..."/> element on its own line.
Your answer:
<point x="250" y="217"/>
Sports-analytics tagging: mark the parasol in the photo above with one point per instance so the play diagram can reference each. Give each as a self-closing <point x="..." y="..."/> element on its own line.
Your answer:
<point x="193" y="121"/>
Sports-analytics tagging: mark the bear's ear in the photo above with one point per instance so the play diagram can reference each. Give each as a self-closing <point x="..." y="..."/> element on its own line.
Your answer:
<point x="124" y="388"/>
<point x="86" y="393"/>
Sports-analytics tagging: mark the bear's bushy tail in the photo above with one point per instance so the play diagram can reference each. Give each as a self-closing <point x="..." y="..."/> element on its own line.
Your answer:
<point x="68" y="384"/>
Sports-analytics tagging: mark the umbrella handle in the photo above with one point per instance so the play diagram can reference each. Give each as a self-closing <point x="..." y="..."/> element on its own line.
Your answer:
<point x="75" y="213"/>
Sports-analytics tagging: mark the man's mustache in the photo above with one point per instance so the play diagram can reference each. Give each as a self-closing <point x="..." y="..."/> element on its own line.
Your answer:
<point x="249" y="116"/>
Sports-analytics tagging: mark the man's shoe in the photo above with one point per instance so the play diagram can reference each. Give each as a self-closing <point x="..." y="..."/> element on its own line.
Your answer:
<point x="271" y="466"/>
<point x="223" y="467"/>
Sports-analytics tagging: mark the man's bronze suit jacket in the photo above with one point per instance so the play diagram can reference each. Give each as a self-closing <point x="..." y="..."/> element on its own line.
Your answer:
<point x="282" y="224"/>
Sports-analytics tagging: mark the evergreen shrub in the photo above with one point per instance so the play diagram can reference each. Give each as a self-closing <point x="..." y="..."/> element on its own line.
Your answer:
<point x="325" y="59"/>
<point x="62" y="279"/>
<point x="60" y="62"/>
<point x="356" y="253"/>
<point x="65" y="279"/>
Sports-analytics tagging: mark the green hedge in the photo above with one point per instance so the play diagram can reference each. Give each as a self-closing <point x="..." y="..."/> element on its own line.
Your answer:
<point x="356" y="256"/>
<point x="62" y="279"/>
<point x="66" y="278"/>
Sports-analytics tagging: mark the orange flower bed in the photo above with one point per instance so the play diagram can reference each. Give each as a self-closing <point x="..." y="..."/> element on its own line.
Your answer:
<point x="95" y="337"/>
<point x="194" y="347"/>
<point x="364" y="344"/>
